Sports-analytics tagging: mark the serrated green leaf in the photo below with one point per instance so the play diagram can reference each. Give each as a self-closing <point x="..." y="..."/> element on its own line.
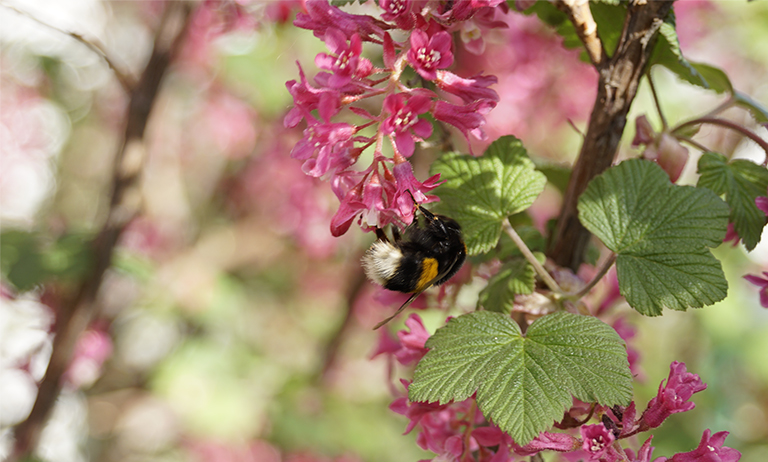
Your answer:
<point x="741" y="181"/>
<point x="524" y="383"/>
<point x="481" y="192"/>
<point x="667" y="53"/>
<point x="516" y="276"/>
<point x="660" y="233"/>
<point x="758" y="111"/>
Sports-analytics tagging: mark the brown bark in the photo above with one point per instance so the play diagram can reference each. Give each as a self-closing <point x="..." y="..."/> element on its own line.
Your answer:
<point x="75" y="313"/>
<point x="619" y="78"/>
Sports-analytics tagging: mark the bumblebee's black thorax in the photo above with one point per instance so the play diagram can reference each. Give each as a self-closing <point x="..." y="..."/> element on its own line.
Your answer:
<point x="432" y="252"/>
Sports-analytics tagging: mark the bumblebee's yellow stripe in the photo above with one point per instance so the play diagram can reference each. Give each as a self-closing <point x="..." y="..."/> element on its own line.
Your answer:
<point x="428" y="272"/>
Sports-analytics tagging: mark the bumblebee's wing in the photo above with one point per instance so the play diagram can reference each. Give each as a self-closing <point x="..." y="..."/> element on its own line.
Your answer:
<point x="413" y="297"/>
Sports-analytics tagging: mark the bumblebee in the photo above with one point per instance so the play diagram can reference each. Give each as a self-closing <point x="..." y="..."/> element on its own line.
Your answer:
<point x="429" y="253"/>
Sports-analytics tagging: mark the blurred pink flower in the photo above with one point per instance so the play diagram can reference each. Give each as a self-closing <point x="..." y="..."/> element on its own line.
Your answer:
<point x="762" y="283"/>
<point x="93" y="348"/>
<point x="643" y="454"/>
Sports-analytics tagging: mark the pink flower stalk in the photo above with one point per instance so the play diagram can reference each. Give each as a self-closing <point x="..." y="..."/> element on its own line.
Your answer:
<point x="404" y="121"/>
<point x="710" y="449"/>
<point x="470" y="89"/>
<point x="345" y="62"/>
<point x="672" y="397"/>
<point x="428" y="54"/>
<point x="597" y="443"/>
<point x="762" y="283"/>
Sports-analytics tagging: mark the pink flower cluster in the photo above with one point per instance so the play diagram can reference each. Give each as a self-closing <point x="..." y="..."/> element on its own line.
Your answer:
<point x="381" y="193"/>
<point x="460" y="432"/>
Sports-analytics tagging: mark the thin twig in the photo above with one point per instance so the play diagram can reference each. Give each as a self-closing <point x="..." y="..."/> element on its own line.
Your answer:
<point x="92" y="43"/>
<point x="540" y="270"/>
<point x="693" y="143"/>
<point x="603" y="270"/>
<point x="586" y="28"/>
<point x="75" y="313"/>
<point x="656" y="100"/>
<point x="728" y="124"/>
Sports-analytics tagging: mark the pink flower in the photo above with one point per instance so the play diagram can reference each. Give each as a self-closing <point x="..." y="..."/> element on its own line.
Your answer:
<point x="710" y="450"/>
<point x="546" y="441"/>
<point x="345" y="63"/>
<point x="325" y="147"/>
<point x="407" y="184"/>
<point x="762" y="283"/>
<point x="399" y="12"/>
<point x="731" y="235"/>
<point x="320" y="16"/>
<point x="597" y="441"/>
<point x="428" y="54"/>
<point x="468" y="118"/>
<point x="412" y="343"/>
<point x="470" y="89"/>
<point x="762" y="203"/>
<point x="644" y="454"/>
<point x="673" y="397"/>
<point x="404" y="121"/>
<point x="307" y="98"/>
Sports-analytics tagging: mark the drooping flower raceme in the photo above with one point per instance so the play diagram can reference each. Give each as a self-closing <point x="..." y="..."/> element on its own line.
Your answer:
<point x="380" y="193"/>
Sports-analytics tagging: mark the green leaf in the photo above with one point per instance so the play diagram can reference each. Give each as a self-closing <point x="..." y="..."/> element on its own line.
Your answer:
<point x="758" y="111"/>
<point x="524" y="383"/>
<point x="741" y="181"/>
<point x="481" y="192"/>
<point x="516" y="276"/>
<point x="667" y="53"/>
<point x="660" y="233"/>
<point x="609" y="17"/>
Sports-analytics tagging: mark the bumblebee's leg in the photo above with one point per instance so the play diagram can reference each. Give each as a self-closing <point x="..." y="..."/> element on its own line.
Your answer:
<point x="396" y="234"/>
<point x="399" y="310"/>
<point x="381" y="236"/>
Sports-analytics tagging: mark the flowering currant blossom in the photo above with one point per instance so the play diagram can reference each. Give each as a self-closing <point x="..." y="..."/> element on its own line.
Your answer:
<point x="404" y="122"/>
<point x="672" y="397"/>
<point x="379" y="194"/>
<point x="346" y="61"/>
<point x="710" y="450"/>
<point x="597" y="443"/>
<point x="428" y="54"/>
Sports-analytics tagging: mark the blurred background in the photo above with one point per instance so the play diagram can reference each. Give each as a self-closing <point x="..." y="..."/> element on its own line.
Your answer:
<point x="232" y="326"/>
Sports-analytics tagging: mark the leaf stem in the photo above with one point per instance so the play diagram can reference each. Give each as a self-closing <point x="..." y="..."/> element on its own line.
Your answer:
<point x="656" y="100"/>
<point x="695" y="144"/>
<point x="600" y="274"/>
<point x="543" y="274"/>
<point x="728" y="124"/>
